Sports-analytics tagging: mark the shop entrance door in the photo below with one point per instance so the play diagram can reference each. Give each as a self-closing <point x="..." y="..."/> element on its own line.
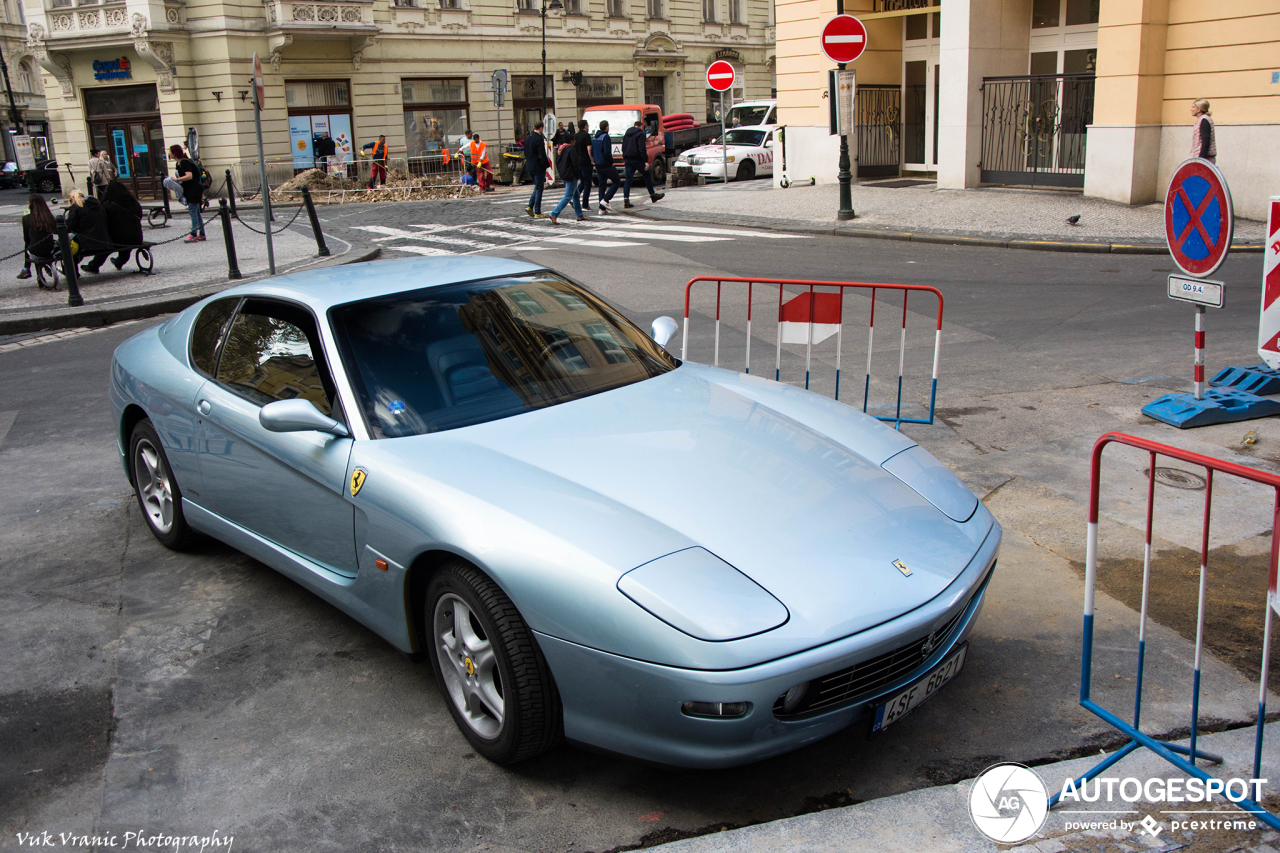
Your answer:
<point x="137" y="151"/>
<point x="921" y="75"/>
<point x="655" y="91"/>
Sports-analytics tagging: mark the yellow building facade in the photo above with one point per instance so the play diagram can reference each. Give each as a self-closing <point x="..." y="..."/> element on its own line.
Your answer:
<point x="134" y="76"/>
<point x="1094" y="94"/>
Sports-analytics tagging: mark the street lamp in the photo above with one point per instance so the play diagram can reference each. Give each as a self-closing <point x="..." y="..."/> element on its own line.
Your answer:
<point x="553" y="6"/>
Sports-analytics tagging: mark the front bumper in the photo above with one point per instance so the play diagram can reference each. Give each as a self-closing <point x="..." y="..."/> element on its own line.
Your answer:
<point x="633" y="708"/>
<point x="713" y="171"/>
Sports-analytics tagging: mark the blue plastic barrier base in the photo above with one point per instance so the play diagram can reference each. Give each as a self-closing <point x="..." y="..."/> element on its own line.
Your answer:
<point x="1256" y="379"/>
<point x="1219" y="406"/>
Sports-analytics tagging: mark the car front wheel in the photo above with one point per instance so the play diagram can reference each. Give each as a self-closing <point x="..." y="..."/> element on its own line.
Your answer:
<point x="494" y="678"/>
<point x="158" y="494"/>
<point x="48" y="186"/>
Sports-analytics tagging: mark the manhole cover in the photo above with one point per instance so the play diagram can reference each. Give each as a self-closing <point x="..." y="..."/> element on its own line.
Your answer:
<point x="1177" y="478"/>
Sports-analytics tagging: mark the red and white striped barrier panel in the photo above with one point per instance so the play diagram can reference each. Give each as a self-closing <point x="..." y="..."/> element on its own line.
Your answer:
<point x="1269" y="326"/>
<point x="811" y="312"/>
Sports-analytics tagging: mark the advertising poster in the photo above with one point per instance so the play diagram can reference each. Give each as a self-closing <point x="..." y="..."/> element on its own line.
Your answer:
<point x="300" y="142"/>
<point x="22" y="149"/>
<point x="340" y="130"/>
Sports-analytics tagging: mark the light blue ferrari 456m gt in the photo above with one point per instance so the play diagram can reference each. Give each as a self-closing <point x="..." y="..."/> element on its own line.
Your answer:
<point x="589" y="539"/>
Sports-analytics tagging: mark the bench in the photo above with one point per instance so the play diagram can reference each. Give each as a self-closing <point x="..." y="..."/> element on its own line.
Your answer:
<point x="50" y="268"/>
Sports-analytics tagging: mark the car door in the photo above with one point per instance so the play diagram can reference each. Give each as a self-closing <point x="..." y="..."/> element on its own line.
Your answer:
<point x="765" y="159"/>
<point x="288" y="487"/>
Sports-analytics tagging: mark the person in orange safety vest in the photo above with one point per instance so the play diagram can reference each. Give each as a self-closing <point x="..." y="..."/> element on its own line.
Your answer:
<point x="479" y="154"/>
<point x="378" y="154"/>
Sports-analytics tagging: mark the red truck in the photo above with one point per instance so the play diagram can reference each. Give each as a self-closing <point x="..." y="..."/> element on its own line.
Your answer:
<point x="662" y="144"/>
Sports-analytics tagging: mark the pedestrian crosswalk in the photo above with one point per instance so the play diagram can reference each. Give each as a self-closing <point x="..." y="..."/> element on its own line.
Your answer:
<point x="540" y="235"/>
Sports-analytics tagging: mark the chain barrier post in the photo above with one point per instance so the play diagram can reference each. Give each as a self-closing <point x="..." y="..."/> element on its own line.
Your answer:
<point x="322" y="249"/>
<point x="74" y="299"/>
<point x="259" y="95"/>
<point x="88" y="182"/>
<point x="231" y="192"/>
<point x="233" y="268"/>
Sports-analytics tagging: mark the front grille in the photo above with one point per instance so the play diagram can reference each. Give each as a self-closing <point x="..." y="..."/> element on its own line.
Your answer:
<point x="870" y="675"/>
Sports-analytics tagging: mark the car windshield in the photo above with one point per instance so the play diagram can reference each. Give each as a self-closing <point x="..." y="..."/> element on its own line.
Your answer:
<point x="446" y="357"/>
<point x="619" y="120"/>
<point x="749" y="116"/>
<point x="743" y="137"/>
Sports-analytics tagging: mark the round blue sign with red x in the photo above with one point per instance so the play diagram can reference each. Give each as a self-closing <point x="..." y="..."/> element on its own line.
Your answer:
<point x="1198" y="218"/>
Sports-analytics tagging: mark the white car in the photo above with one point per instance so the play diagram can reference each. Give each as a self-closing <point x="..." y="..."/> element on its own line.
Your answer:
<point x="746" y="152"/>
<point x="753" y="114"/>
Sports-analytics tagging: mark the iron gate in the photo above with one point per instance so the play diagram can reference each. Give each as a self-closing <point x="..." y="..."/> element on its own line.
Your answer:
<point x="879" y="110"/>
<point x="1033" y="129"/>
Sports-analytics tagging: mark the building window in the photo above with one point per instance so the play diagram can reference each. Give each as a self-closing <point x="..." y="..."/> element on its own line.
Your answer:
<point x="709" y="11"/>
<point x="436" y="115"/>
<point x="527" y="6"/>
<point x="526" y="102"/>
<point x="450" y="4"/>
<point x="404" y="4"/>
<point x="1047" y="14"/>
<point x="572" y="7"/>
<point x="26" y="76"/>
<point x="737" y="14"/>
<point x="320" y="110"/>
<point x="656" y="10"/>
<point x="599" y="92"/>
<point x="618" y="8"/>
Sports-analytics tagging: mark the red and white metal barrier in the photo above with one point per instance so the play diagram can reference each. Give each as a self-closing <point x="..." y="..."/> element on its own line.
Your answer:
<point x="811" y="312"/>
<point x="1269" y="325"/>
<point x="1172" y="752"/>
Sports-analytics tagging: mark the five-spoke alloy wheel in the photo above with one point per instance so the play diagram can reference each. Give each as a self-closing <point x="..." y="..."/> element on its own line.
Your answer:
<point x="158" y="495"/>
<point x="494" y="678"/>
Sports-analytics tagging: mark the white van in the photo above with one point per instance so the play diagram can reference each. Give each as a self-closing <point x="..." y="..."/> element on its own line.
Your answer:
<point x="753" y="113"/>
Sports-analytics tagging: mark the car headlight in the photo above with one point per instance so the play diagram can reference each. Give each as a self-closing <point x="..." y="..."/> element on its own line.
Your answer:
<point x="696" y="592"/>
<point x="934" y="482"/>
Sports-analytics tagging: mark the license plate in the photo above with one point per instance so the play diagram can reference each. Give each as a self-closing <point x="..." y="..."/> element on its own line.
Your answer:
<point x="900" y="705"/>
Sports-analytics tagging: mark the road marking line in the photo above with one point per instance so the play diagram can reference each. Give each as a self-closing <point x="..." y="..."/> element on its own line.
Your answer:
<point x="422" y="250"/>
<point x="400" y="233"/>
<point x="736" y="232"/>
<point x="678" y="238"/>
<point x="6" y="421"/>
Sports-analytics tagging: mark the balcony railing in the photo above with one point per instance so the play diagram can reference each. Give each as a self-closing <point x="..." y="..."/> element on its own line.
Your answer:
<point x="85" y="20"/>
<point x="293" y="14"/>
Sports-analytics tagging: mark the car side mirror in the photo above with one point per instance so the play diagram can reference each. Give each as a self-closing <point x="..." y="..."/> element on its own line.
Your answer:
<point x="768" y="143"/>
<point x="663" y="330"/>
<point x="298" y="416"/>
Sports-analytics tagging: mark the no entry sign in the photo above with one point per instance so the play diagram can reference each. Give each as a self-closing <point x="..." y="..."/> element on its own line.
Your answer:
<point x="720" y="76"/>
<point x="844" y="38"/>
<point x="1198" y="217"/>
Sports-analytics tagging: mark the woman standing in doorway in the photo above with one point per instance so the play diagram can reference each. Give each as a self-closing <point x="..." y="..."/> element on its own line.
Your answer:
<point x="1203" y="144"/>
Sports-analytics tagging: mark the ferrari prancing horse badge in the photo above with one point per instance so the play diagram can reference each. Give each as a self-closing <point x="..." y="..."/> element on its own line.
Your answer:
<point x="357" y="480"/>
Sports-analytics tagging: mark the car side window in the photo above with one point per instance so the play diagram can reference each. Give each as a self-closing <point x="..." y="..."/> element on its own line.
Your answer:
<point x="207" y="331"/>
<point x="269" y="355"/>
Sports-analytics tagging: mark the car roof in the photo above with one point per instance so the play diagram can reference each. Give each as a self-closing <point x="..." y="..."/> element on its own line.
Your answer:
<point x="321" y="289"/>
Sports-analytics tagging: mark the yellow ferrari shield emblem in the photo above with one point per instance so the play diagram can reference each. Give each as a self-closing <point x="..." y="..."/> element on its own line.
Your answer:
<point x="897" y="564"/>
<point x="471" y="667"/>
<point x="357" y="480"/>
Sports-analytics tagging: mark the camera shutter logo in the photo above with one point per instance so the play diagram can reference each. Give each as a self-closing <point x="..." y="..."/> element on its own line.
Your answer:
<point x="1008" y="803"/>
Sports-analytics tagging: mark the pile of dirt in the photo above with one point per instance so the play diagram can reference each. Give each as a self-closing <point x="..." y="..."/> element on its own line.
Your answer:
<point x="400" y="186"/>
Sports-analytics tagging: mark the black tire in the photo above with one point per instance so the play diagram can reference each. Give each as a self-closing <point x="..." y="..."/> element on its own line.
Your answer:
<point x="659" y="169"/>
<point x="747" y="170"/>
<point x="48" y="186"/>
<point x="152" y="475"/>
<point x="498" y="654"/>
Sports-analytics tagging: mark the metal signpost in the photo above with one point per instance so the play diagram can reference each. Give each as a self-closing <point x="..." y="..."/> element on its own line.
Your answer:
<point x="259" y="102"/>
<point x="844" y="38"/>
<point x="499" y="98"/>
<point x="720" y="78"/>
<point x="1199" y="223"/>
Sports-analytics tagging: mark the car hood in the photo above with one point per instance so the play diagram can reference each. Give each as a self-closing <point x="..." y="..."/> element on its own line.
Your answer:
<point x="708" y="150"/>
<point x="782" y="484"/>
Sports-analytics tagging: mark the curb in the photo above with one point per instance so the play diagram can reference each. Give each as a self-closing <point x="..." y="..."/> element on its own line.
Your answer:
<point x="938" y="237"/>
<point x="90" y="316"/>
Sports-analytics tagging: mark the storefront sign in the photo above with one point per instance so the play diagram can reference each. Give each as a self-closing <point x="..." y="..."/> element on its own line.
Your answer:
<point x="600" y="87"/>
<point x="112" y="69"/>
<point x="727" y="53"/>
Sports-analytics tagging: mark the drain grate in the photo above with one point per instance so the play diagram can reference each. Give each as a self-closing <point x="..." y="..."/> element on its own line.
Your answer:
<point x="1177" y="478"/>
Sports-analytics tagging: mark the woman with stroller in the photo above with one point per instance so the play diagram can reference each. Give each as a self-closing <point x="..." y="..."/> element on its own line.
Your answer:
<point x="37" y="233"/>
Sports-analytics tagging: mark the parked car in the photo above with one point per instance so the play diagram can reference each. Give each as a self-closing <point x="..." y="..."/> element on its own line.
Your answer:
<point x="588" y="538"/>
<point x="753" y="113"/>
<point x="10" y="176"/>
<point x="746" y="153"/>
<point x="44" y="177"/>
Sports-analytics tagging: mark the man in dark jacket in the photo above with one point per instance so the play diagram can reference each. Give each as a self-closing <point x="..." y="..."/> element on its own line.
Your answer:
<point x="582" y="146"/>
<point x="602" y="159"/>
<point x="87" y="221"/>
<point x="124" y="220"/>
<point x="635" y="158"/>
<point x="536" y="163"/>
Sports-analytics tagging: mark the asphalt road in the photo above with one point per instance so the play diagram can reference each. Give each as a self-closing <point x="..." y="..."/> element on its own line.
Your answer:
<point x="188" y="693"/>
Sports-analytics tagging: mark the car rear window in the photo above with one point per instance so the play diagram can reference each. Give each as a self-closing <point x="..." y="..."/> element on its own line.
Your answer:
<point x="446" y="357"/>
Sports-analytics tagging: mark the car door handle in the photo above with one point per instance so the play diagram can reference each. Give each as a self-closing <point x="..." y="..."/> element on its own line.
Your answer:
<point x="204" y="407"/>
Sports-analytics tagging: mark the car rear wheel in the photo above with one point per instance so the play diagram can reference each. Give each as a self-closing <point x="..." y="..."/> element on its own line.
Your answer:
<point x="158" y="494"/>
<point x="495" y="681"/>
<point x="48" y="186"/>
<point x="747" y="171"/>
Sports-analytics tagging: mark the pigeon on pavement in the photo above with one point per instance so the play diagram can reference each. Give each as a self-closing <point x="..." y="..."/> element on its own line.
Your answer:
<point x="1073" y="220"/>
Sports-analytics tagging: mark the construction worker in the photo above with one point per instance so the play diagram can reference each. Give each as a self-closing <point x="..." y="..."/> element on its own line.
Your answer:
<point x="479" y="154"/>
<point x="378" y="154"/>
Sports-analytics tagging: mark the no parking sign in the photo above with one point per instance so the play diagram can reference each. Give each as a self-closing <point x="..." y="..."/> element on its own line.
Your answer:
<point x="1198" y="217"/>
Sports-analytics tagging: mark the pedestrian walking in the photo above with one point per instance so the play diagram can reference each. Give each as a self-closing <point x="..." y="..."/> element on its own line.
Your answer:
<point x="124" y="220"/>
<point x="87" y="220"/>
<point x="569" y="170"/>
<point x="602" y="157"/>
<point x="635" y="158"/>
<point x="562" y="136"/>
<point x="100" y="171"/>
<point x="1203" y="143"/>
<point x="378" y="160"/>
<point x="536" y="163"/>
<point x="38" y="228"/>
<point x="586" y="163"/>
<point x="479" y="153"/>
<point x="188" y="177"/>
